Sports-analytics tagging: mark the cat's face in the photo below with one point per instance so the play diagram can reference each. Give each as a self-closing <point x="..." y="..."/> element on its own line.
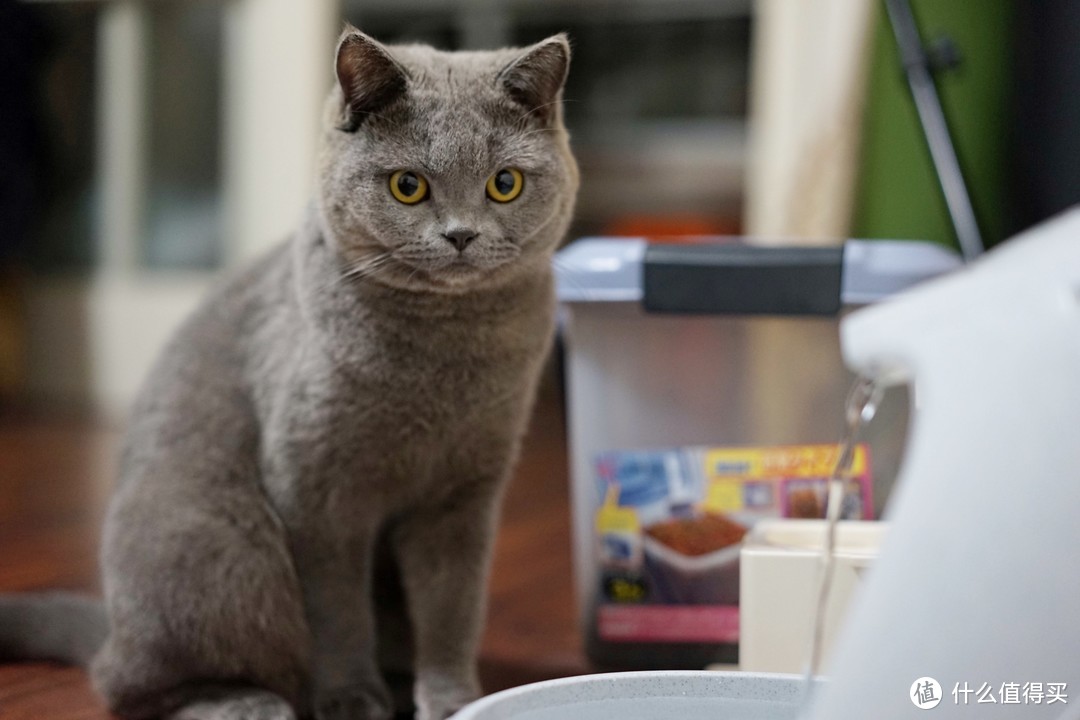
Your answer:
<point x="446" y="171"/>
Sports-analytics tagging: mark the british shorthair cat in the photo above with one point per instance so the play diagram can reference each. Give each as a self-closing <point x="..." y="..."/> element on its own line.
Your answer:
<point x="311" y="477"/>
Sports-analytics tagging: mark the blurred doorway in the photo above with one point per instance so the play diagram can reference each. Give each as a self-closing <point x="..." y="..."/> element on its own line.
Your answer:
<point x="205" y="120"/>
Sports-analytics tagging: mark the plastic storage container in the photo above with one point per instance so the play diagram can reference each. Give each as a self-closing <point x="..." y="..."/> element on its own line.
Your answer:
<point x="707" y="345"/>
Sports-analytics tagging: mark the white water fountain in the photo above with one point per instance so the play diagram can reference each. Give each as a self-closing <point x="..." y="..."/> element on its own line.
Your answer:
<point x="979" y="577"/>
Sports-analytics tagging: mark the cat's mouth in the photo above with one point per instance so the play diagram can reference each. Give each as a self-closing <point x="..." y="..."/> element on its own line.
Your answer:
<point x="458" y="273"/>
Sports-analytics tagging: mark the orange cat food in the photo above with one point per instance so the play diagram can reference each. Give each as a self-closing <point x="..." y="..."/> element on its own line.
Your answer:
<point x="805" y="504"/>
<point x="698" y="535"/>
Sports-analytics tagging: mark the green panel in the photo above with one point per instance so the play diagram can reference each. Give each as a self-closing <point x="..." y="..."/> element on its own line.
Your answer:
<point x="898" y="194"/>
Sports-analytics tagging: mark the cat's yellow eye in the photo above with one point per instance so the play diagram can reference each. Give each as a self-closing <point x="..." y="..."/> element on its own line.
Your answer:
<point x="408" y="187"/>
<point x="505" y="185"/>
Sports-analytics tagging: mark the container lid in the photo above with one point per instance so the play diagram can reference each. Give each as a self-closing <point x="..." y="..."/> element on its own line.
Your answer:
<point x="601" y="270"/>
<point x="876" y="269"/>
<point x="731" y="277"/>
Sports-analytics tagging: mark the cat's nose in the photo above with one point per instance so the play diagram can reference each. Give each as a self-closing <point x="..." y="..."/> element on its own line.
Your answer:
<point x="460" y="237"/>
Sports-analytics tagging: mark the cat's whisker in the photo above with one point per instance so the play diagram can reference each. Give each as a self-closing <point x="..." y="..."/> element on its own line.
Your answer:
<point x="368" y="270"/>
<point x="377" y="261"/>
<point x="362" y="270"/>
<point x="535" y="131"/>
<point x="503" y="254"/>
<point x="554" y="214"/>
<point x="359" y="270"/>
<point x="411" y="276"/>
<point x="525" y="116"/>
<point x="495" y="402"/>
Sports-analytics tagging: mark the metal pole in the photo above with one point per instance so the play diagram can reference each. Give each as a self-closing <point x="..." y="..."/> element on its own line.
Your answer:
<point x="928" y="105"/>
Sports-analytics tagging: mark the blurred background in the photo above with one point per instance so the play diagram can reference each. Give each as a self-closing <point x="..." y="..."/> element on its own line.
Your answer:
<point x="148" y="146"/>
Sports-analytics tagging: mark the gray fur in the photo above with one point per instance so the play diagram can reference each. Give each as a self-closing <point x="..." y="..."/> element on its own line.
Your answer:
<point x="310" y="482"/>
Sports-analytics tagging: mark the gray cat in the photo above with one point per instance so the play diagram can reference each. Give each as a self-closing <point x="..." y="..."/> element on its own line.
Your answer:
<point x="311" y="479"/>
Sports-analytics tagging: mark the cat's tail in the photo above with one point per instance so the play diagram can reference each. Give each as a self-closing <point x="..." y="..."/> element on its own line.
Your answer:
<point x="51" y="626"/>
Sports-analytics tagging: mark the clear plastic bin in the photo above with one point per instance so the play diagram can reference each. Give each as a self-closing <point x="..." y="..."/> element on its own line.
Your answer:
<point x="714" y="345"/>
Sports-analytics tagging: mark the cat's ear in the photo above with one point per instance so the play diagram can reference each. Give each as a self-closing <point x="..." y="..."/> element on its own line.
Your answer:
<point x="535" y="79"/>
<point x="369" y="77"/>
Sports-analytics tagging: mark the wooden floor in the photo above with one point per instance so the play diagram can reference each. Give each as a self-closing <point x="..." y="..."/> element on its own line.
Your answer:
<point x="55" y="473"/>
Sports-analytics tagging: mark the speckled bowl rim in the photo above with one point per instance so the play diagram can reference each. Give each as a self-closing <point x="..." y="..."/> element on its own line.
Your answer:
<point x="781" y="689"/>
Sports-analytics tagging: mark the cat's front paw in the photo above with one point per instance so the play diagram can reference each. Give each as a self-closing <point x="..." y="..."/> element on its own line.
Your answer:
<point x="242" y="705"/>
<point x="354" y="703"/>
<point x="439" y="700"/>
<point x="442" y="708"/>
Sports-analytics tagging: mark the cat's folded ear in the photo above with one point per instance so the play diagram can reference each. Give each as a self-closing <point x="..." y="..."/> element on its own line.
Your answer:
<point x="535" y="79"/>
<point x="369" y="77"/>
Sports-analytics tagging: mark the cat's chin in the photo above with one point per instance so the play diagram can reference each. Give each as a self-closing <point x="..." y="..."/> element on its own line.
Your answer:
<point x="459" y="278"/>
<point x="453" y="278"/>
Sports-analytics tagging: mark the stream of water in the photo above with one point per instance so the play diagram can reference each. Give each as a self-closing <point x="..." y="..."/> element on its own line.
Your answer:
<point x="862" y="404"/>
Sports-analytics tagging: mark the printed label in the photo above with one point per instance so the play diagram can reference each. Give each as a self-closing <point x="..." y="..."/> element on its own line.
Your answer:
<point x="668" y="623"/>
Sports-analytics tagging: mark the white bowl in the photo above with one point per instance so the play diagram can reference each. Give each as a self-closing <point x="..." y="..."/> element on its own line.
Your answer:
<point x="653" y="695"/>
